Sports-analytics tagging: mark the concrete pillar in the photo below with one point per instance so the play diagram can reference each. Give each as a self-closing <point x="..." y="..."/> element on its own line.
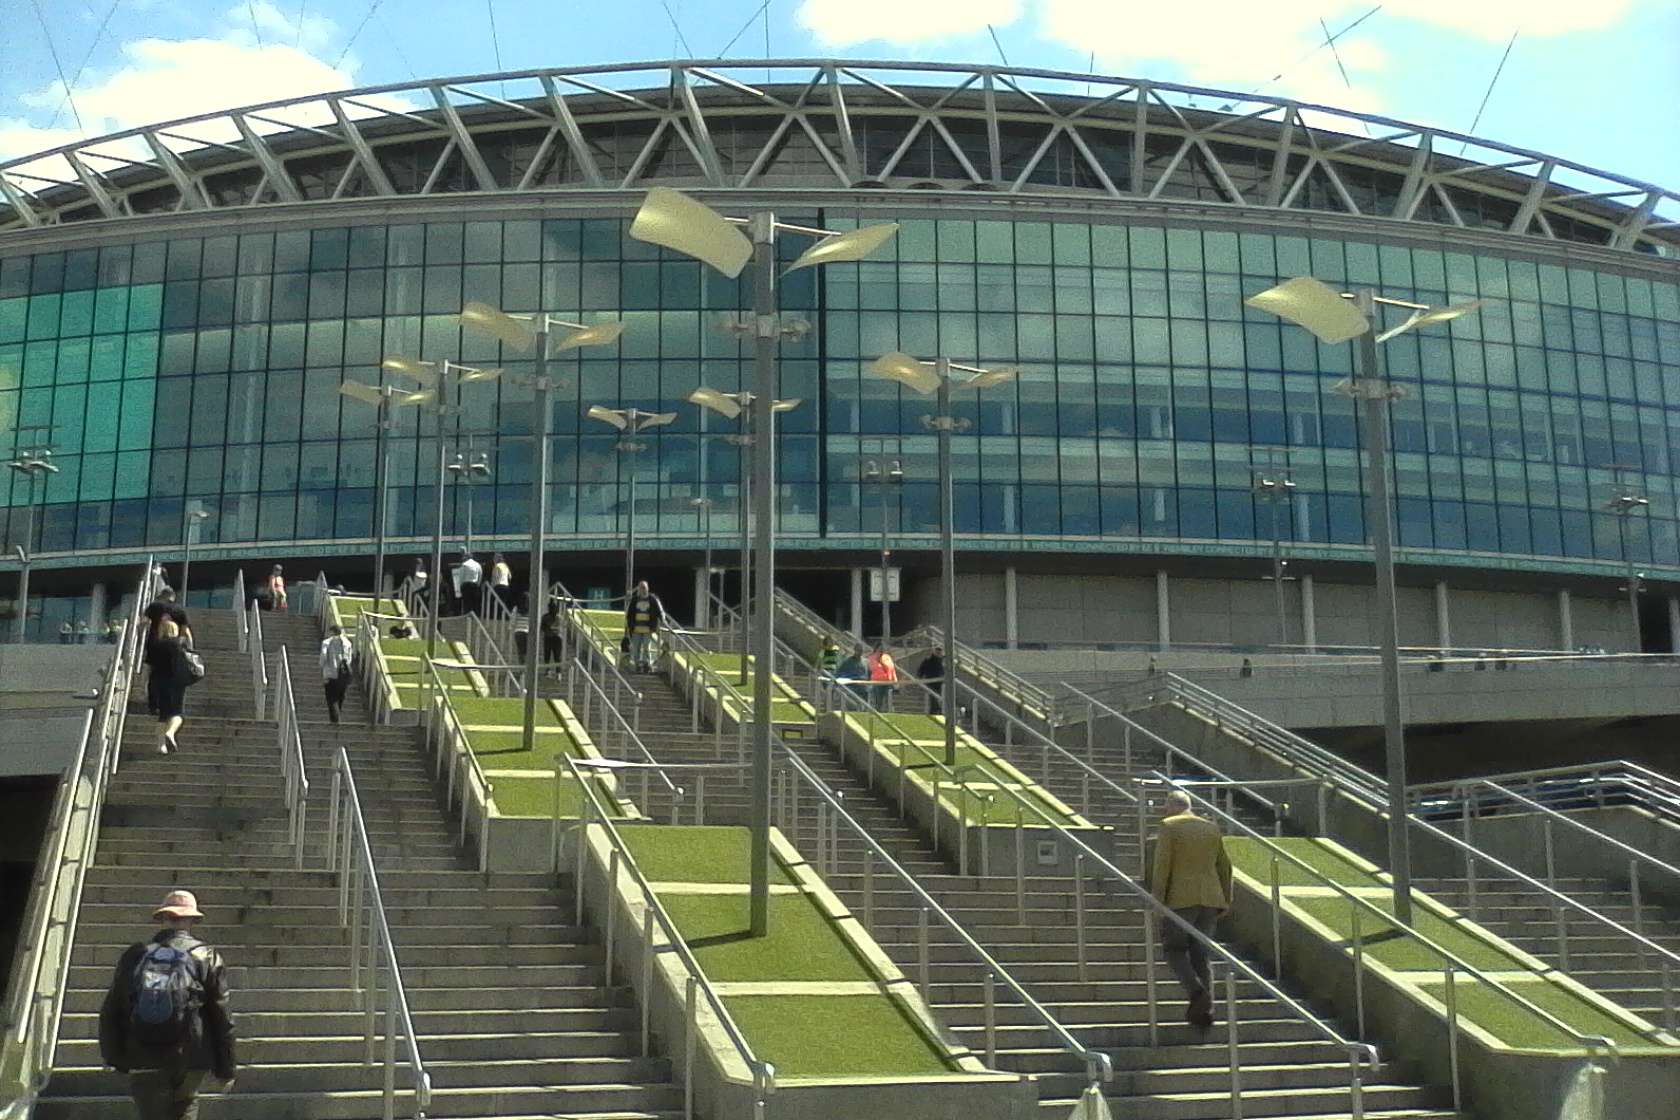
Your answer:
<point x="1163" y="613"/>
<point x="702" y="603"/>
<point x="1443" y="617"/>
<point x="1011" y="610"/>
<point x="1673" y="623"/>
<point x="96" y="611"/>
<point x="1309" y="615"/>
<point x="1566" y="621"/>
<point x="857" y="603"/>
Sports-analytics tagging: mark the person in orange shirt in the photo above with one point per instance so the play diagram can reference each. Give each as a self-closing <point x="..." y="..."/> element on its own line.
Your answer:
<point x="883" y="672"/>
<point x="1191" y="875"/>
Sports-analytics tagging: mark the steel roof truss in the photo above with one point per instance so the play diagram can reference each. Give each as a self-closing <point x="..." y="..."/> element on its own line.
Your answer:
<point x="538" y="158"/>
<point x="19" y="202"/>
<point x="1232" y="194"/>
<point x="266" y="159"/>
<point x="371" y="166"/>
<point x="1097" y="168"/>
<point x="1172" y="166"/>
<point x="94" y="185"/>
<point x="956" y="150"/>
<point x="574" y="136"/>
<point x="1627" y="233"/>
<point x="697" y="136"/>
<point x="843" y="122"/>
<point x="762" y="160"/>
<point x="464" y="141"/>
<point x="184" y="184"/>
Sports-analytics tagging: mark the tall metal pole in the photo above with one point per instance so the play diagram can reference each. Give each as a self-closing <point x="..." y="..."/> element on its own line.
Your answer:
<point x="766" y="335"/>
<point x="1373" y="393"/>
<point x="536" y="599"/>
<point x="437" y="522"/>
<point x="744" y="468"/>
<point x="186" y="550"/>
<point x="630" y="516"/>
<point x="886" y="599"/>
<point x="26" y="556"/>
<point x="1277" y="577"/>
<point x="705" y="611"/>
<point x="381" y="480"/>
<point x="947" y="565"/>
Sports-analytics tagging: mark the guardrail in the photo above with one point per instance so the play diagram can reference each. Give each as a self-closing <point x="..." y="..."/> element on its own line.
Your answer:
<point x="374" y="969"/>
<point x="47" y="935"/>
<point x="241" y="623"/>
<point x="1475" y="860"/>
<point x="1594" y="785"/>
<point x="697" y="988"/>
<point x="294" y="778"/>
<point x="1363" y="910"/>
<point x="1091" y="866"/>
<point x="259" y="660"/>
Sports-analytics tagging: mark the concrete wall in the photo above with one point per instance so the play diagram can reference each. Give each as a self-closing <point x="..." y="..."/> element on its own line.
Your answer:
<point x="1122" y="609"/>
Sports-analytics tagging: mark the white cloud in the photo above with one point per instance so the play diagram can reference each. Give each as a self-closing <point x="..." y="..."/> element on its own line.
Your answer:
<point x="166" y="79"/>
<point x="1496" y="19"/>
<point x="843" y="23"/>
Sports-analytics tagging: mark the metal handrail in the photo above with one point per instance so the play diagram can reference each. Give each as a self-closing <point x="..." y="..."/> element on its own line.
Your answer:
<point x="259" y="663"/>
<point x="443" y="729"/>
<point x="241" y="624"/>
<point x="47" y="935"/>
<point x="1655" y="792"/>
<point x="1351" y="779"/>
<point x="1361" y="1055"/>
<point x="621" y="862"/>
<point x="292" y="771"/>
<point x="361" y="909"/>
<point x="1278" y="854"/>
<point x="595" y="699"/>
<point x="1560" y="901"/>
<point x="1099" y="1067"/>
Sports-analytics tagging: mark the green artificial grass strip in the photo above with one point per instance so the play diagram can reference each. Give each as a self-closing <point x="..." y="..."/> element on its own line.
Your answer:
<point x="1252" y="857"/>
<point x="1516" y="1026"/>
<point x="501" y="711"/>
<point x="1406" y="954"/>
<point x="519" y="796"/>
<point x="835" y="1036"/>
<point x="919" y="742"/>
<point x="694" y="853"/>
<point x="802" y="944"/>
<point x="505" y="750"/>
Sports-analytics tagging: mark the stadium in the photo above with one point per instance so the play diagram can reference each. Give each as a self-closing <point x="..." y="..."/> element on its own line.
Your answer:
<point x="179" y="306"/>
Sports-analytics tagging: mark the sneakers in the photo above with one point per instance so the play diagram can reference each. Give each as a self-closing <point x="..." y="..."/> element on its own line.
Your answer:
<point x="167" y="744"/>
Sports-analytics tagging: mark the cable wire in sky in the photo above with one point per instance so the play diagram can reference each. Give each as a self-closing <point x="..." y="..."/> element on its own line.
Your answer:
<point x="52" y="49"/>
<point x="350" y="42"/>
<point x="1330" y="41"/>
<point x="495" y="39"/>
<point x="677" y="27"/>
<point x="1497" y="71"/>
<point x="86" y="58"/>
<point x="736" y="37"/>
<point x="993" y="33"/>
<point x="256" y="28"/>
<point x="303" y="10"/>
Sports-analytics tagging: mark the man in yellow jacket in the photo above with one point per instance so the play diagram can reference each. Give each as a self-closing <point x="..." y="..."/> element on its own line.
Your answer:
<point x="1192" y="877"/>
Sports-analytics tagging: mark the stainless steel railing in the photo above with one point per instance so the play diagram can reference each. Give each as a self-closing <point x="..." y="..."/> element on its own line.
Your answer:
<point x="241" y="621"/>
<point x="1582" y="786"/>
<point x="1094" y="870"/>
<point x="660" y="937"/>
<point x="374" y="969"/>
<point x="47" y="935"/>
<point x="294" y="777"/>
<point x="259" y="660"/>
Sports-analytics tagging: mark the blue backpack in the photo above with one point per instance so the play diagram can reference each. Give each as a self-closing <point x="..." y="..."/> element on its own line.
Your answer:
<point x="167" y="992"/>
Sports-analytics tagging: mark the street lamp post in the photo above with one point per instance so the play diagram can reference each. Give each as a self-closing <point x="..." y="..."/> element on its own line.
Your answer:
<point x="632" y="422"/>
<point x="34" y="463"/>
<point x="384" y="398"/>
<point x="1624" y="503"/>
<point x="1335" y="317"/>
<point x="1275" y="488"/>
<point x="886" y="478"/>
<point x="192" y="518"/>
<point x="703" y="610"/>
<point x="935" y="377"/>
<point x="738" y="407"/>
<point x="675" y="221"/>
<point x="440" y="377"/>
<point x="537" y="334"/>
<point x="467" y="468"/>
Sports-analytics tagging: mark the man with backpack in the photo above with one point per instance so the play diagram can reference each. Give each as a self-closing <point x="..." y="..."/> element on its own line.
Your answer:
<point x="165" y="1020"/>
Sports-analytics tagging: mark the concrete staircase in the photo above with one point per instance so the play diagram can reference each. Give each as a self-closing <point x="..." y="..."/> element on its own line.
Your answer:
<point x="514" y="1015"/>
<point x="1286" y="1070"/>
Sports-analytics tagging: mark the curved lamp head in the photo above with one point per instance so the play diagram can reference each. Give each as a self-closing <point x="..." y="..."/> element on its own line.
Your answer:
<point x="423" y="372"/>
<point x="1315" y="305"/>
<point x="614" y="416"/>
<point x="787" y="405"/>
<point x="672" y="219"/>
<point x="724" y="404"/>
<point x="897" y="366"/>
<point x="642" y="419"/>
<point x="986" y="378"/>
<point x="596" y="334"/>
<point x="852" y="245"/>
<point x="1428" y="315"/>
<point x="361" y="392"/>
<point x="487" y="320"/>
<point x="471" y="373"/>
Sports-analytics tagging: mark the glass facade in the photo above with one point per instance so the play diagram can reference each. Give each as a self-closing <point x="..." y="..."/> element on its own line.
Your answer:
<point x="207" y="369"/>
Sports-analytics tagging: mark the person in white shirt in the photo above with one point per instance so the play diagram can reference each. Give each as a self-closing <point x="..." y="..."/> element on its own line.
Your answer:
<point x="336" y="652"/>
<point x="469" y="583"/>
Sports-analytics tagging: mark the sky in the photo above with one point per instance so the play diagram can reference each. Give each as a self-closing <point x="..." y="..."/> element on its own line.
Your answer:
<point x="1597" y="83"/>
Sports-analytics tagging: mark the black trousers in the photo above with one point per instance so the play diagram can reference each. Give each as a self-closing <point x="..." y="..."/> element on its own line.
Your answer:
<point x="162" y="1094"/>
<point x="336" y="689"/>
